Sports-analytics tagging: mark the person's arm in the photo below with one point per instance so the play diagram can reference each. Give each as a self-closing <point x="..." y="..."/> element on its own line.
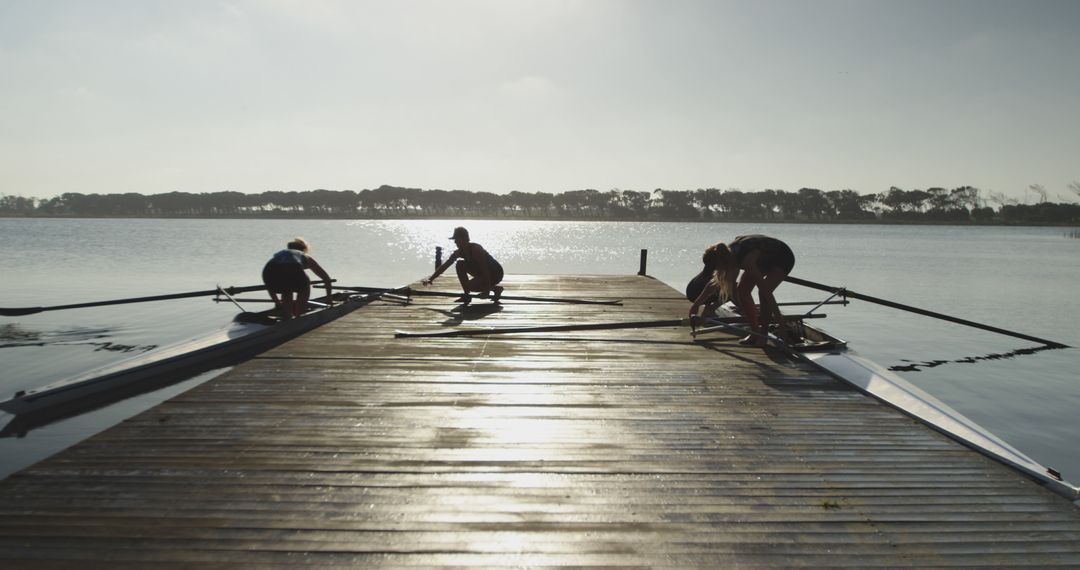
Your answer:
<point x="707" y="293"/>
<point x="446" y="265"/>
<point x="315" y="267"/>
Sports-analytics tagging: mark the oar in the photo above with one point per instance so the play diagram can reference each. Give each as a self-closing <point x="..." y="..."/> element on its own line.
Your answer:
<point x="780" y="343"/>
<point x="815" y="303"/>
<point x="916" y="310"/>
<point x="230" y="298"/>
<point x="724" y="323"/>
<point x="423" y="293"/>
<point x="18" y="311"/>
<point x="548" y="328"/>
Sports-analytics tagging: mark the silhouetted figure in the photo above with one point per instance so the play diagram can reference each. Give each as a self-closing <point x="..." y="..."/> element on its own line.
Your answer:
<point x="477" y="271"/>
<point x="284" y="276"/>
<point x="764" y="262"/>
<point x="701" y="281"/>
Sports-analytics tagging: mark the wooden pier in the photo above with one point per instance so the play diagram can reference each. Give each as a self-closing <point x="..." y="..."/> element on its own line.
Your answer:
<point x="350" y="448"/>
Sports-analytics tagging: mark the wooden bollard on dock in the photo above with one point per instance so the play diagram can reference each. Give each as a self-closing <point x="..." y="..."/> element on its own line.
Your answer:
<point x="644" y="261"/>
<point x="438" y="256"/>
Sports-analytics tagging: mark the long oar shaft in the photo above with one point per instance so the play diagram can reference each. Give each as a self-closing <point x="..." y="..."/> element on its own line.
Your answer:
<point x="728" y="324"/>
<point x="12" y="312"/>
<point x="924" y="312"/>
<point x="815" y="303"/>
<point x="548" y="328"/>
<point x="423" y="293"/>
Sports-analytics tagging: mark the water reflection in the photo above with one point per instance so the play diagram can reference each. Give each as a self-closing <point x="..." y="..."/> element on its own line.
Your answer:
<point x="1037" y="414"/>
<point x="57" y="430"/>
<point x="15" y="336"/>
<point x="918" y="366"/>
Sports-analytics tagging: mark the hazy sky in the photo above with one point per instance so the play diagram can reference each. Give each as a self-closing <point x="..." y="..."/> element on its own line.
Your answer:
<point x="154" y="96"/>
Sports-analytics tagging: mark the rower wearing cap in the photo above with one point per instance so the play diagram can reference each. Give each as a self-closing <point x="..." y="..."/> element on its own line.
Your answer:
<point x="477" y="271"/>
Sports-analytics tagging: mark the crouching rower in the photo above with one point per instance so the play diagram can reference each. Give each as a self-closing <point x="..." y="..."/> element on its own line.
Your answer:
<point x="284" y="276"/>
<point x="477" y="271"/>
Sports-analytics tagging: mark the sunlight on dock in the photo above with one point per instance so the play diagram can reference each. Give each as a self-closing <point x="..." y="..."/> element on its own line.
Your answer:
<point x="347" y="447"/>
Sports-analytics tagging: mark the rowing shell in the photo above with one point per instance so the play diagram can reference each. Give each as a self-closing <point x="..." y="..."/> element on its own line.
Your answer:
<point x="833" y="356"/>
<point x="886" y="386"/>
<point x="255" y="333"/>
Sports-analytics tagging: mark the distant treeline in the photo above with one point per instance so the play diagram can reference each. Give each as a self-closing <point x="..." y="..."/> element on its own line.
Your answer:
<point x="964" y="205"/>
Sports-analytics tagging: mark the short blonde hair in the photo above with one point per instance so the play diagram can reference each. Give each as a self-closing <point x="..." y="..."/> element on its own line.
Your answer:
<point x="298" y="243"/>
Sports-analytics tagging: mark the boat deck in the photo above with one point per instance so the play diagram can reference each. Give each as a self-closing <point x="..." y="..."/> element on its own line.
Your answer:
<point x="347" y="447"/>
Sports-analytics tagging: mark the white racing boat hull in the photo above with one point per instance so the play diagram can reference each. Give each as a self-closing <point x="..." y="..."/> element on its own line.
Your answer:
<point x="890" y="388"/>
<point x="832" y="355"/>
<point x="216" y="350"/>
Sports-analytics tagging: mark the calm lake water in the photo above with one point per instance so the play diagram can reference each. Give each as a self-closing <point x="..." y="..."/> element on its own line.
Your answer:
<point x="1021" y="279"/>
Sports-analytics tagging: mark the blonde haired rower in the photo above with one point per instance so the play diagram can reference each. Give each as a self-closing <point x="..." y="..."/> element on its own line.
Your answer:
<point x="764" y="262"/>
<point x="284" y="275"/>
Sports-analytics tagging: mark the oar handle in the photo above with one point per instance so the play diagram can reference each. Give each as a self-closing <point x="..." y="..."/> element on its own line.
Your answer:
<point x="892" y="304"/>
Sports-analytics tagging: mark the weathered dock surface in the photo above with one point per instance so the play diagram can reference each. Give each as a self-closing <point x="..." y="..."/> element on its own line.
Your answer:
<point x="349" y="448"/>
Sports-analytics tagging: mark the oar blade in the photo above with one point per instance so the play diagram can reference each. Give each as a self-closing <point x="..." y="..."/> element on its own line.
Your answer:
<point x="16" y="312"/>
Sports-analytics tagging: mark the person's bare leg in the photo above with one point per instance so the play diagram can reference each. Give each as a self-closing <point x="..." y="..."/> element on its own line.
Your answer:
<point x="770" y="311"/>
<point x="302" y="297"/>
<point x="463" y="278"/>
<point x="746" y="303"/>
<point x="287" y="305"/>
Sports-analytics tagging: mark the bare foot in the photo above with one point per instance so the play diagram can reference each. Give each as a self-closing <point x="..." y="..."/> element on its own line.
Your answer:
<point x="498" y="293"/>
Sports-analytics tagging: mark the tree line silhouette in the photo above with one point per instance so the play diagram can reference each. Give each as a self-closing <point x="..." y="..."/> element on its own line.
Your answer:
<point x="963" y="205"/>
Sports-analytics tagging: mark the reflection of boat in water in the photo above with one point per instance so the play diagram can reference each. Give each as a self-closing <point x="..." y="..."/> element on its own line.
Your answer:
<point x="833" y="355"/>
<point x="250" y="334"/>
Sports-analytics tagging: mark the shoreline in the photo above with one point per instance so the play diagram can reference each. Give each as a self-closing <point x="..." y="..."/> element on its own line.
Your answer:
<point x="557" y="219"/>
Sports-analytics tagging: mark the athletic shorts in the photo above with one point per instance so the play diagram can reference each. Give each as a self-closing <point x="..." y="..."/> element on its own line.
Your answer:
<point x="285" y="278"/>
<point x="775" y="254"/>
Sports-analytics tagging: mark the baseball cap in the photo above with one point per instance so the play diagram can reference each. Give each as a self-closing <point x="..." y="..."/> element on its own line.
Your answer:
<point x="460" y="232"/>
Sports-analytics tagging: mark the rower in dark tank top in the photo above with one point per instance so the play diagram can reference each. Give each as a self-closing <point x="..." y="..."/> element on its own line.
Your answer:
<point x="749" y="262"/>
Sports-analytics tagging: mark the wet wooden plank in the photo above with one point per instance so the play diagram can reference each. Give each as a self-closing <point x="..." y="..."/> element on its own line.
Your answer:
<point x="349" y="448"/>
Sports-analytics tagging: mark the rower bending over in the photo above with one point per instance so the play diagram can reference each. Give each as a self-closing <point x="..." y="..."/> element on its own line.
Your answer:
<point x="765" y="262"/>
<point x="477" y="271"/>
